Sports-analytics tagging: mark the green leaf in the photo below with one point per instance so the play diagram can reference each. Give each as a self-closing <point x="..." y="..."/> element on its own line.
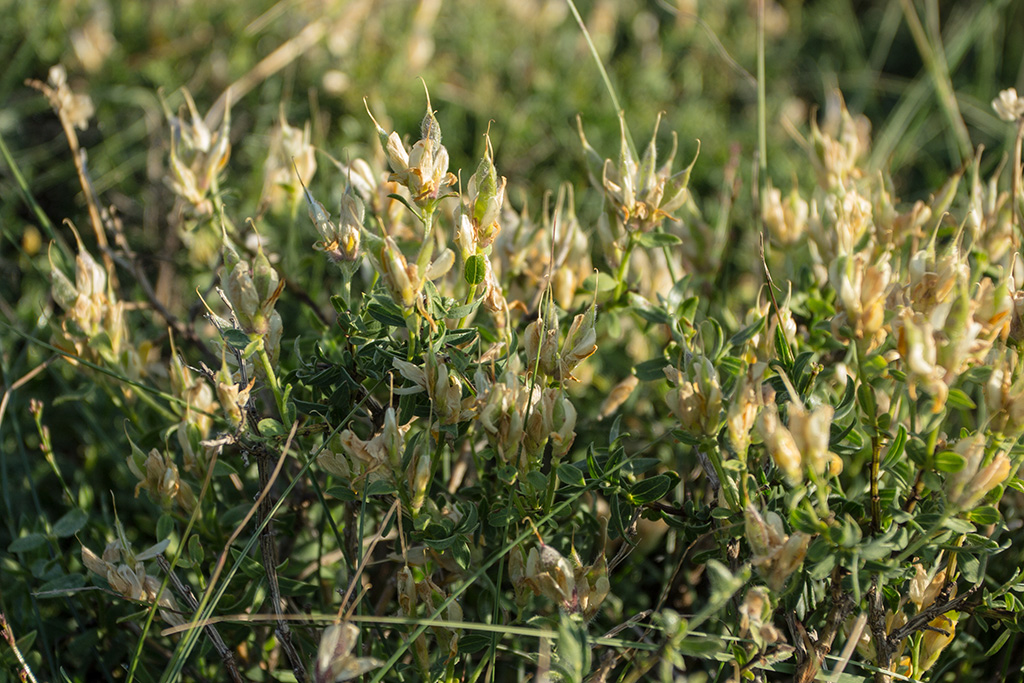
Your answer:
<point x="68" y="582"/>
<point x="471" y="643"/>
<point x="846" y="403"/>
<point x="895" y="450"/>
<point x="195" y="550"/>
<point x="616" y="430"/>
<point x="403" y="200"/>
<point x="381" y="487"/>
<point x="386" y="312"/>
<point x="998" y="645"/>
<point x="688" y="310"/>
<point x="620" y="515"/>
<point x="164" y="526"/>
<point x="572" y="653"/>
<point x="595" y="469"/>
<point x="342" y="493"/>
<point x="958" y="399"/>
<point x="970" y="567"/>
<point x="26" y="543"/>
<point x="949" y="461"/>
<point x="648" y="311"/>
<point x="271" y="427"/>
<point x="507" y="474"/>
<point x="571" y="475"/>
<point x="502" y="517"/>
<point x="747" y="333"/>
<point x="636" y="466"/>
<point x="959" y="526"/>
<point x="70" y="523"/>
<point x="236" y="339"/>
<point x="460" y="551"/>
<point x="650" y="489"/>
<point x="985" y="515"/>
<point x="805" y="520"/>
<point x="867" y="403"/>
<point x="654" y="240"/>
<point x="223" y="469"/>
<point x="701" y="646"/>
<point x="460" y="312"/>
<point x="782" y="347"/>
<point x="475" y="269"/>
<point x="601" y="282"/>
<point x="651" y="369"/>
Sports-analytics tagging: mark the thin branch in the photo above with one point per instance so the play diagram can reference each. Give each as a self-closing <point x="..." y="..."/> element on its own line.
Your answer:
<point x="185" y="593"/>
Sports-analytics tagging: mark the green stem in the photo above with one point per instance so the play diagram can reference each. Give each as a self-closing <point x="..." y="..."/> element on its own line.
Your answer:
<point x="620" y="273"/>
<point x="549" y="495"/>
<point x="469" y="299"/>
<point x="275" y="386"/>
<point x="710" y="449"/>
<point x="762" y="111"/>
<point x="1015" y="177"/>
<point x="876" y="448"/>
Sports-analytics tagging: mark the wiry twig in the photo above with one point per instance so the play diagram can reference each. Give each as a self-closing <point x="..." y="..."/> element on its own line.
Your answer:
<point x="269" y="555"/>
<point x="185" y="593"/>
<point x="921" y="621"/>
<point x="842" y="605"/>
<point x="78" y="156"/>
<point x="880" y="639"/>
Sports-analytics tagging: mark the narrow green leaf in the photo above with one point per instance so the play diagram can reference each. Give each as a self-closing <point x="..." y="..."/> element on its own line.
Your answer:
<point x="747" y="333"/>
<point x="958" y="399"/>
<point x="651" y="370"/>
<point x="985" y="515"/>
<point x="654" y="240"/>
<point x="650" y="489"/>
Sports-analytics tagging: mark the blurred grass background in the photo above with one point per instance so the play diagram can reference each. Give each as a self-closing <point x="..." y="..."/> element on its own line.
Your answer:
<point x="520" y="66"/>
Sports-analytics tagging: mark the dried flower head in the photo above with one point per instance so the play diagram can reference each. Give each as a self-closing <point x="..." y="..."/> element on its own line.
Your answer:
<point x="423" y="169"/>
<point x="334" y="659"/>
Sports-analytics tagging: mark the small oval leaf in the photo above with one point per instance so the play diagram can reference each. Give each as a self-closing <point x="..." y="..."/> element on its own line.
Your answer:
<point x="475" y="270"/>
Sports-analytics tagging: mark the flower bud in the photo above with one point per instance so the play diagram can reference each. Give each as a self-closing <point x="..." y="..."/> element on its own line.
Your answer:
<point x="419" y="481"/>
<point x="486" y="196"/>
<point x="810" y="430"/>
<point x="548" y="573"/>
<point x="580" y="343"/>
<point x="402" y="279"/>
<point x="697" y="398"/>
<point x="786" y="219"/>
<point x="743" y="410"/>
<point x="780" y="444"/>
<point x="923" y="590"/>
<point x="540" y="343"/>
<point x="967" y="487"/>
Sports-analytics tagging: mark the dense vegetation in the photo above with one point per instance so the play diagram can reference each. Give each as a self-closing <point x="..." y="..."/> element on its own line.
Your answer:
<point x="609" y="341"/>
